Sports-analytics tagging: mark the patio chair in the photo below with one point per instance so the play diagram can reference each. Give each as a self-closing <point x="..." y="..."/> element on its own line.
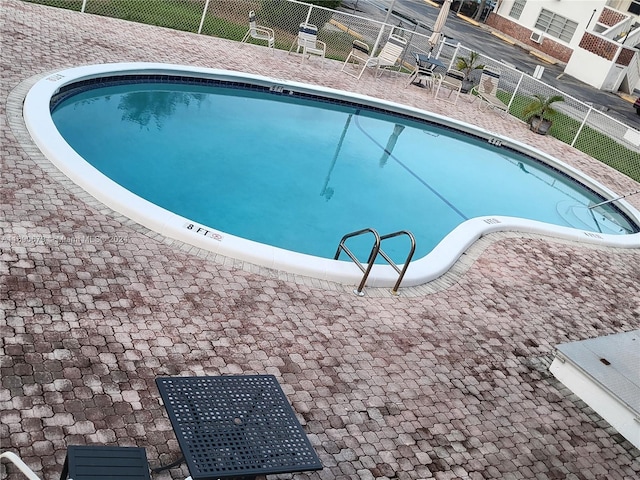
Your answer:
<point x="307" y="42"/>
<point x="358" y="56"/>
<point x="258" y="32"/>
<point x="452" y="81"/>
<point x="388" y="57"/>
<point x="17" y="461"/>
<point x="486" y="90"/>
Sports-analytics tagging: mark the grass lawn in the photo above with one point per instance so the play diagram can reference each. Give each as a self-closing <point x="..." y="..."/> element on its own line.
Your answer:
<point x="590" y="141"/>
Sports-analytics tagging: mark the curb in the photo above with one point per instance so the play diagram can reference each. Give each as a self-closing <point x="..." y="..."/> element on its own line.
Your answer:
<point x="543" y="57"/>
<point x="468" y="19"/>
<point x="626" y="97"/>
<point x="345" y="29"/>
<point x="502" y="37"/>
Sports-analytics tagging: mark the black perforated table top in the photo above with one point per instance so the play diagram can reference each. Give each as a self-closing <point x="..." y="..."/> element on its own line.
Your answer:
<point x="236" y="426"/>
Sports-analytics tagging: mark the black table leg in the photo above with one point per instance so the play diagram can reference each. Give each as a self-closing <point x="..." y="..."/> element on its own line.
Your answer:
<point x="177" y="463"/>
<point x="65" y="468"/>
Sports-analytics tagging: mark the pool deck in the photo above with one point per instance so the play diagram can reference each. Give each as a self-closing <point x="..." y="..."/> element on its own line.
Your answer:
<point x="446" y="381"/>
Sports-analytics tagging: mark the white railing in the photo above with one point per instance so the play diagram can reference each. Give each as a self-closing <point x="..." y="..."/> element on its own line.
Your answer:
<point x="633" y="70"/>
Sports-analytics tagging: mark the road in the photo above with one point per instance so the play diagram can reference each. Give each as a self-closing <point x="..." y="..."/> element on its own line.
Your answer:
<point x="409" y="13"/>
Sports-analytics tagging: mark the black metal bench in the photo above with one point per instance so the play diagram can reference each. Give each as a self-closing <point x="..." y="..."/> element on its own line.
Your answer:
<point x="89" y="462"/>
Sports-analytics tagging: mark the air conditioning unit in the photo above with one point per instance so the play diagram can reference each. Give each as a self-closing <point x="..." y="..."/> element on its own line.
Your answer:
<point x="536" y="37"/>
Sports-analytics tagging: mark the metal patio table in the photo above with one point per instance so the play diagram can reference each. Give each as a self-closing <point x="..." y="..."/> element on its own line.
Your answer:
<point x="235" y="427"/>
<point x="425" y="68"/>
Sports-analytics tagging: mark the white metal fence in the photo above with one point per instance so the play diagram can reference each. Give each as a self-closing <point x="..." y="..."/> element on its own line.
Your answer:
<point x="576" y="123"/>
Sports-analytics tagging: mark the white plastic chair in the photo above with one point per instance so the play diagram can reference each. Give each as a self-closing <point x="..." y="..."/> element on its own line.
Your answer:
<point x="358" y="57"/>
<point x="15" y="459"/>
<point x="388" y="57"/>
<point x="307" y="42"/>
<point x="258" y="32"/>
<point x="452" y="81"/>
<point x="487" y="90"/>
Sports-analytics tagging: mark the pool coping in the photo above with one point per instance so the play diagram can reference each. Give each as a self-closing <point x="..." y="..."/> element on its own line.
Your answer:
<point x="169" y="225"/>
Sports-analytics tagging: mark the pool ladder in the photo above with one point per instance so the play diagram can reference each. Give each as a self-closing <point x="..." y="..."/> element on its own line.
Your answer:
<point x="375" y="251"/>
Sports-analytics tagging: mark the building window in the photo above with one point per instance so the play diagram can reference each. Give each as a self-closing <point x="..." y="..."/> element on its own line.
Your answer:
<point x="556" y="25"/>
<point x="516" y="8"/>
<point x="634" y="8"/>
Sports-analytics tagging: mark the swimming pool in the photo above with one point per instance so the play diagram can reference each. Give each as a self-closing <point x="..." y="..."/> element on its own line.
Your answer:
<point x="350" y="142"/>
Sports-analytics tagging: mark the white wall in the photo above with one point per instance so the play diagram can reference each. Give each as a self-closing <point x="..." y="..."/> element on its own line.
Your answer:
<point x="582" y="65"/>
<point x="597" y="72"/>
<point x="615" y="412"/>
<point x="580" y="11"/>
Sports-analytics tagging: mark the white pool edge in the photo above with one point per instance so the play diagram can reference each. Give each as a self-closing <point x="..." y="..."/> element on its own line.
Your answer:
<point x="45" y="135"/>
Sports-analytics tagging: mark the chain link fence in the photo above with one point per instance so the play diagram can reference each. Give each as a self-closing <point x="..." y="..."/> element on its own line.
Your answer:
<point x="576" y="123"/>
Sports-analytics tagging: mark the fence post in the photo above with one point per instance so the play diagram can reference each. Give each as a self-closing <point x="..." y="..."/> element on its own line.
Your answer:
<point x="441" y="46"/>
<point x="581" y="125"/>
<point x="513" y="95"/>
<point x="454" y="56"/>
<point x="84" y="5"/>
<point x="378" y="38"/>
<point x="204" y="14"/>
<point x="384" y="24"/>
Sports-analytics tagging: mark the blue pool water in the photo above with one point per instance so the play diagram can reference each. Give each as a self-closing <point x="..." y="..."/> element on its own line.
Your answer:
<point x="300" y="173"/>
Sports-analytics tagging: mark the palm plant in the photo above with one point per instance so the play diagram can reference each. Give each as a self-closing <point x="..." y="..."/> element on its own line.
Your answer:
<point x="468" y="64"/>
<point x="539" y="111"/>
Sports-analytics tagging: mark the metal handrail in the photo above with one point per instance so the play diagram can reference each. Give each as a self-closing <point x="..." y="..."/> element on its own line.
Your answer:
<point x="406" y="262"/>
<point x="372" y="256"/>
<point x="375" y="250"/>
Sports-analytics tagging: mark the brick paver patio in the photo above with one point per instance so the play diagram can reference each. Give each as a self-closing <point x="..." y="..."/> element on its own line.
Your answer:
<point x="445" y="383"/>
